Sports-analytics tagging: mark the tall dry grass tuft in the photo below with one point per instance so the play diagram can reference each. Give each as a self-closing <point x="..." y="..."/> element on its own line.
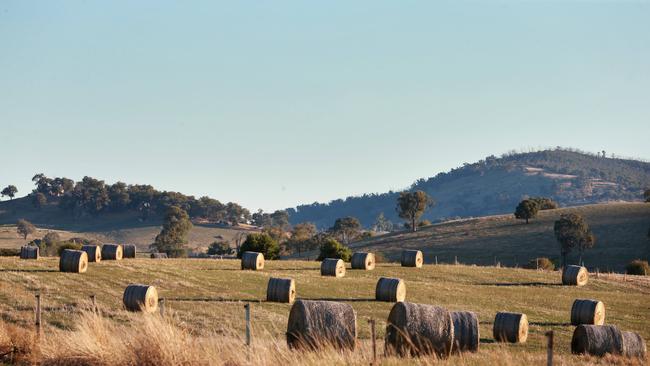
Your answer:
<point x="17" y="345"/>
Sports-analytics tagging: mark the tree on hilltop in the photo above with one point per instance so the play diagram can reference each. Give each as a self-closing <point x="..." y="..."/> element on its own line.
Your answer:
<point x="411" y="205"/>
<point x="526" y="209"/>
<point x="9" y="191"/>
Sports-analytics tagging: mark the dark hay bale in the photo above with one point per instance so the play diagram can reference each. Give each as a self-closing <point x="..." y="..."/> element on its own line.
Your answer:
<point x="74" y="261"/>
<point x="332" y="267"/>
<point x="587" y="312"/>
<point x="412" y="258"/>
<point x="314" y="324"/>
<point x="597" y="340"/>
<point x="281" y="290"/>
<point x="364" y="261"/>
<point x="418" y="329"/>
<point x="140" y="298"/>
<point x="510" y="327"/>
<point x="634" y="345"/>
<point x="112" y="252"/>
<point x="129" y="251"/>
<point x="390" y="289"/>
<point x="94" y="252"/>
<point x="252" y="260"/>
<point x="29" y="252"/>
<point x="466" y="331"/>
<point x="575" y="276"/>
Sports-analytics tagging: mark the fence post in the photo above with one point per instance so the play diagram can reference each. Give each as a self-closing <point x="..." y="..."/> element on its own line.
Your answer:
<point x="161" y="305"/>
<point x="549" y="348"/>
<point x="455" y="260"/>
<point x="248" y="323"/>
<point x="374" y="342"/>
<point x="38" y="314"/>
<point x="93" y="300"/>
<point x="436" y="260"/>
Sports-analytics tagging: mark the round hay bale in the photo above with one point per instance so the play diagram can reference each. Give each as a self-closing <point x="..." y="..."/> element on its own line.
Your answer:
<point x="390" y="289"/>
<point x="634" y="345"/>
<point x="314" y="324"/>
<point x="587" y="312"/>
<point x="29" y="252"/>
<point x="510" y="327"/>
<point x="94" y="252"/>
<point x="597" y="340"/>
<point x="419" y="329"/>
<point x="74" y="261"/>
<point x="159" y="255"/>
<point x="112" y="252"/>
<point x="364" y="261"/>
<point x="140" y="298"/>
<point x="332" y="267"/>
<point x="252" y="260"/>
<point x="575" y="276"/>
<point x="466" y="331"/>
<point x="281" y="290"/>
<point x="129" y="251"/>
<point x="412" y="258"/>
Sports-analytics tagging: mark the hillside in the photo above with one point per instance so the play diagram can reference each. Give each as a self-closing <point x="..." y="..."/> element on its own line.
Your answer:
<point x="621" y="236"/>
<point x="205" y="299"/>
<point x="495" y="186"/>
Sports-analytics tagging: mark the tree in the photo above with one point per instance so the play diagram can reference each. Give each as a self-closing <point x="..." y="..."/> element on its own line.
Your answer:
<point x="301" y="237"/>
<point x="411" y="205"/>
<point x="118" y="194"/>
<point x="261" y="243"/>
<point x="572" y="231"/>
<point x="38" y="199"/>
<point x="382" y="223"/>
<point x="280" y="219"/>
<point x="347" y="228"/>
<point x="526" y="209"/>
<point x="586" y="242"/>
<point x="9" y="191"/>
<point x="173" y="236"/>
<point x="545" y="203"/>
<point x="646" y="195"/>
<point x="330" y="248"/>
<point x="220" y="248"/>
<point x="25" y="228"/>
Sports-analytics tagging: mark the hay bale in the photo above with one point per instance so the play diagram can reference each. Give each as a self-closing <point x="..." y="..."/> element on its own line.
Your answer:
<point x="94" y="252"/>
<point x="281" y="290"/>
<point x="575" y="276"/>
<point x="364" y="261"/>
<point x="74" y="261"/>
<point x="159" y="255"/>
<point x="314" y="324"/>
<point x="332" y="267"/>
<point x="412" y="258"/>
<point x="29" y="252"/>
<point x="390" y="289"/>
<point x="418" y="329"/>
<point x="140" y="298"/>
<point x="587" y="312"/>
<point x="634" y="345"/>
<point x="252" y="260"/>
<point x="510" y="327"/>
<point x="112" y="252"/>
<point x="597" y="340"/>
<point x="466" y="331"/>
<point x="129" y="251"/>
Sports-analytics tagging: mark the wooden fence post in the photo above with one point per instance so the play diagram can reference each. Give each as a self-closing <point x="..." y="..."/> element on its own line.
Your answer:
<point x="93" y="300"/>
<point x="549" y="348"/>
<point x="161" y="305"/>
<point x="248" y="323"/>
<point x="38" y="314"/>
<point x="374" y="341"/>
<point x="436" y="260"/>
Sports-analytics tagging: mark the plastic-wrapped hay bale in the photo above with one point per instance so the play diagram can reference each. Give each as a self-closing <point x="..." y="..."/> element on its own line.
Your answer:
<point x="364" y="261"/>
<point x="332" y="267"/>
<point x="281" y="290"/>
<point x="412" y="258"/>
<point x="94" y="252"/>
<point x="466" y="331"/>
<point x="597" y="340"/>
<point x="575" y="276"/>
<point x="140" y="298"/>
<point x="129" y="251"/>
<point x="74" y="261"/>
<point x="634" y="345"/>
<point x="418" y="329"/>
<point x="29" y="252"/>
<point x="510" y="327"/>
<point x="158" y="255"/>
<point x="390" y="289"/>
<point x="587" y="312"/>
<point x="314" y="324"/>
<point x="252" y="260"/>
<point x="112" y="252"/>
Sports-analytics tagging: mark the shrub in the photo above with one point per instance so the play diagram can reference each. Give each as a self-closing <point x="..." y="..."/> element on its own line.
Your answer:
<point x="262" y="243"/>
<point x="220" y="248"/>
<point x="330" y="248"/>
<point x="51" y="237"/>
<point x="60" y="247"/>
<point x="545" y="203"/>
<point x="638" y="267"/>
<point x="9" y="252"/>
<point x="541" y="263"/>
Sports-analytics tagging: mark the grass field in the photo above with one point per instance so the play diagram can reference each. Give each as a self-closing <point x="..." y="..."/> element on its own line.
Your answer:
<point x="206" y="298"/>
<point x="621" y="236"/>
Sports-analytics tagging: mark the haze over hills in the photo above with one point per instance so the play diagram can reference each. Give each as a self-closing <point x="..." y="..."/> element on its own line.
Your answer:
<point x="495" y="186"/>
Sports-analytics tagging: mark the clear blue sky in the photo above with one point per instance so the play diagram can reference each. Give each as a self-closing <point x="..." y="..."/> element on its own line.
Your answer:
<point x="277" y="103"/>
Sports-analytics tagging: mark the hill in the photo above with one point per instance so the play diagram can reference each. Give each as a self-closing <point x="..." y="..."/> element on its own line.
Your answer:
<point x="205" y="298"/>
<point x="621" y="231"/>
<point x="495" y="186"/>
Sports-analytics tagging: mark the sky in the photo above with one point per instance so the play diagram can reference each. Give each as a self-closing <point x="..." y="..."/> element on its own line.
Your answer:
<point x="275" y="104"/>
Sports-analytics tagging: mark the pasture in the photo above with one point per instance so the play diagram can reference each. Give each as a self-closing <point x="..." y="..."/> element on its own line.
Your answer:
<point x="206" y="297"/>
